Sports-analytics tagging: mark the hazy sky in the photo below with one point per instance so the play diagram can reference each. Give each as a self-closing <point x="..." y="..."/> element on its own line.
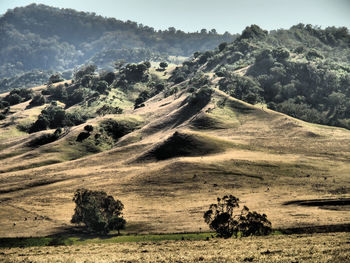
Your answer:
<point x="223" y="15"/>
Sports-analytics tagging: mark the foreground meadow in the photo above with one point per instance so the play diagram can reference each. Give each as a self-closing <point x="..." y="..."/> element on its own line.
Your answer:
<point x="326" y="247"/>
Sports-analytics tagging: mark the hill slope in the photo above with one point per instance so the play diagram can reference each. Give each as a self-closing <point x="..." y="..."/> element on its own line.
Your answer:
<point x="166" y="156"/>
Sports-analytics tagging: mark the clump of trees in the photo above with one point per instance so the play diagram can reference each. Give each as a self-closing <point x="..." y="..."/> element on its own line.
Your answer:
<point x="37" y="100"/>
<point x="117" y="129"/>
<point x="54" y="116"/>
<point x="17" y="96"/>
<point x="226" y="222"/>
<point x="55" y="78"/>
<point x="107" y="109"/>
<point x="99" y="212"/>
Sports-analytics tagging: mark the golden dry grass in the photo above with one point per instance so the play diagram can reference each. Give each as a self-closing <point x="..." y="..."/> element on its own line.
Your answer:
<point x="268" y="158"/>
<point x="292" y="248"/>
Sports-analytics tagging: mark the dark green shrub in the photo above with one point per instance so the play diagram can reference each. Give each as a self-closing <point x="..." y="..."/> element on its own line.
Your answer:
<point x="107" y="109"/>
<point x="82" y="136"/>
<point x="222" y="46"/>
<point x="78" y="95"/>
<point x="2" y="116"/>
<point x="54" y="116"/>
<point x="55" y="78"/>
<point x="163" y="65"/>
<point x="102" y="86"/>
<point x="13" y="99"/>
<point x="37" y="101"/>
<point x="86" y="70"/>
<point x="201" y="97"/>
<point x="109" y="77"/>
<point x="58" y="92"/>
<point x="88" y="128"/>
<point x="42" y="123"/>
<point x="179" y="79"/>
<point x="75" y="118"/>
<point x="4" y="104"/>
<point x="117" y="129"/>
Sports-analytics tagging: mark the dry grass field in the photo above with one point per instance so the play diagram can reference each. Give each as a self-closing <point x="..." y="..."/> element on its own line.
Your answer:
<point x="225" y="147"/>
<point x="332" y="247"/>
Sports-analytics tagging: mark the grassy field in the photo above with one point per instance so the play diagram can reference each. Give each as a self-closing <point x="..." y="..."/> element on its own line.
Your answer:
<point x="330" y="247"/>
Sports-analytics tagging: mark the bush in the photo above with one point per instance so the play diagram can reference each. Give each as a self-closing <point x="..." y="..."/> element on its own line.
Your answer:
<point x="55" y="78"/>
<point x="98" y="211"/>
<point x="37" y="101"/>
<point x="117" y="129"/>
<point x="222" y="46"/>
<point x="13" y="99"/>
<point x="109" y="77"/>
<point x="102" y="86"/>
<point x="88" y="128"/>
<point x="75" y="118"/>
<point x="2" y="116"/>
<point x="86" y="70"/>
<point x="82" y="136"/>
<point x="40" y="124"/>
<point x="163" y="65"/>
<point x="56" y="92"/>
<point x="107" y="109"/>
<point x="222" y="219"/>
<point x="201" y="97"/>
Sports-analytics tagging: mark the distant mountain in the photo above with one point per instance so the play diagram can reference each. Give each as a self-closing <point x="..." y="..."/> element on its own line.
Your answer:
<point x="47" y="38"/>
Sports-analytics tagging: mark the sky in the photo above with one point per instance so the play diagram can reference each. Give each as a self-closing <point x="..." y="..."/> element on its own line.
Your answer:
<point x="223" y="15"/>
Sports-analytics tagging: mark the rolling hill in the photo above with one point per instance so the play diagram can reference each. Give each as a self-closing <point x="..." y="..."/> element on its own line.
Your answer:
<point x="166" y="148"/>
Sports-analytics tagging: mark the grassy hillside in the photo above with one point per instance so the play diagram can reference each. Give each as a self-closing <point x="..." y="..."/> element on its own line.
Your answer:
<point x="166" y="150"/>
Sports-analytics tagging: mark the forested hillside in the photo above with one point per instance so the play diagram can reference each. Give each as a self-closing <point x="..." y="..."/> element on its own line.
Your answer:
<point x="303" y="71"/>
<point x="42" y="37"/>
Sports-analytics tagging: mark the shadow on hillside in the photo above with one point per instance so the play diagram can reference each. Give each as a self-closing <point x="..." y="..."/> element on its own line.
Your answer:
<point x="82" y="233"/>
<point x="317" y="229"/>
<point x="339" y="204"/>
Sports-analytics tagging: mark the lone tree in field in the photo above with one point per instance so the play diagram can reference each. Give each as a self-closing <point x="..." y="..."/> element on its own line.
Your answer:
<point x="222" y="218"/>
<point x="98" y="211"/>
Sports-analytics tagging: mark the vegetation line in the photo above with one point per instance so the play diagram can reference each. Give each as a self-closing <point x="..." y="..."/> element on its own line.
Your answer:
<point x="112" y="238"/>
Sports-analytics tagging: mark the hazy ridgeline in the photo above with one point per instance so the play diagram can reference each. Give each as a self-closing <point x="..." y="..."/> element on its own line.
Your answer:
<point x="43" y="37"/>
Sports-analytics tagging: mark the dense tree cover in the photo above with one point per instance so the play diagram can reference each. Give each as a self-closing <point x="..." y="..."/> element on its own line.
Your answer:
<point x="87" y="87"/>
<point x="303" y="72"/>
<point x="99" y="212"/>
<point x="43" y="37"/>
<point x="26" y="80"/>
